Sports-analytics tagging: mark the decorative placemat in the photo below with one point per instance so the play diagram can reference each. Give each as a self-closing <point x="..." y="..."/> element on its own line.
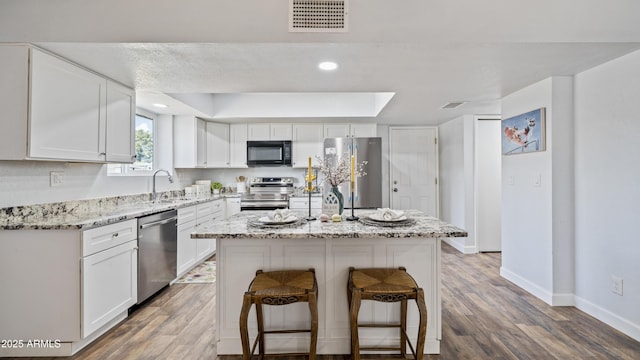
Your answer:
<point x="254" y="222"/>
<point x="403" y="223"/>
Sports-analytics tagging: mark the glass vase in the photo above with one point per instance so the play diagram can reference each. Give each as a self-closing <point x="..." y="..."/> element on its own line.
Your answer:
<point x="336" y="191"/>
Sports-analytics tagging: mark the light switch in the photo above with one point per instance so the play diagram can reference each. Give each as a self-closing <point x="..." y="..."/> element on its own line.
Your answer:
<point x="537" y="180"/>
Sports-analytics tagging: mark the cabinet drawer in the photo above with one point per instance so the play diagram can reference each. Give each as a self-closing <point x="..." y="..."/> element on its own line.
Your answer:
<point x="108" y="236"/>
<point x="187" y="214"/>
<point x="205" y="209"/>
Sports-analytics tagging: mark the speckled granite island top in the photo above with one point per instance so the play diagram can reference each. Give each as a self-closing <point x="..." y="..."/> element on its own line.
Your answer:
<point x="239" y="226"/>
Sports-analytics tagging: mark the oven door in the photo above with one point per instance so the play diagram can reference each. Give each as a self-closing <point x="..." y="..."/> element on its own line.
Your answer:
<point x="268" y="153"/>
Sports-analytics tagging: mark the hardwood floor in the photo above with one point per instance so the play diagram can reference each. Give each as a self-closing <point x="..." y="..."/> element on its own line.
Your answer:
<point x="484" y="317"/>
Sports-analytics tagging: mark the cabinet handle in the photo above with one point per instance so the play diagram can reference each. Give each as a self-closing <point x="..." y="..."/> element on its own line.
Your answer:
<point x="115" y="235"/>
<point x="103" y="154"/>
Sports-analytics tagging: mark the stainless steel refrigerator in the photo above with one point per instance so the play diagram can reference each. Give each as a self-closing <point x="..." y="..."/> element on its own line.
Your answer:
<point x="368" y="189"/>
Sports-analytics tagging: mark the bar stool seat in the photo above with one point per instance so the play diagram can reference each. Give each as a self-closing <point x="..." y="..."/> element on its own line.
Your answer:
<point x="279" y="288"/>
<point x="385" y="285"/>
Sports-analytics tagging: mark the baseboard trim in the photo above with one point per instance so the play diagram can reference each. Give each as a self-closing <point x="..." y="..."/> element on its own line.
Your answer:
<point x="527" y="285"/>
<point x="609" y="318"/>
<point x="460" y="245"/>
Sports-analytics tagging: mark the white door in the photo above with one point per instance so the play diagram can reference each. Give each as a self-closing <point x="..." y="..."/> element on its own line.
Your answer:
<point x="488" y="185"/>
<point x="414" y="168"/>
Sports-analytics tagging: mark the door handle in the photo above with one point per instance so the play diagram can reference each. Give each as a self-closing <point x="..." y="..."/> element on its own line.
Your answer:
<point x="395" y="189"/>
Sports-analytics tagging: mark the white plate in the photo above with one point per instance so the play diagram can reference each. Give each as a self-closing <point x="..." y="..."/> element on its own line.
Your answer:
<point x="288" y="220"/>
<point x="378" y="217"/>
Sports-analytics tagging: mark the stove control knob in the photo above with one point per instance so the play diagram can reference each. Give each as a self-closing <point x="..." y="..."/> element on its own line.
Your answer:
<point x="288" y="180"/>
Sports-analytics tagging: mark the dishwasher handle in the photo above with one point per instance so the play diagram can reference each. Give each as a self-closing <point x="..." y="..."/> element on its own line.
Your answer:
<point x="159" y="222"/>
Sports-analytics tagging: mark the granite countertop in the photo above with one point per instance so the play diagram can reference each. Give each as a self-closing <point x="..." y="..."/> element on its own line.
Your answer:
<point x="87" y="214"/>
<point x="238" y="227"/>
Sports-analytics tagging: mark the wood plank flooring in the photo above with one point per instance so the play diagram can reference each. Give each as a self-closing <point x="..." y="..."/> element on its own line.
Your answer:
<point x="484" y="317"/>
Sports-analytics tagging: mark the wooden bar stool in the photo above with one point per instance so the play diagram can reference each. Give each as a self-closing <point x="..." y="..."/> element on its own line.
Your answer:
<point x="385" y="285"/>
<point x="279" y="288"/>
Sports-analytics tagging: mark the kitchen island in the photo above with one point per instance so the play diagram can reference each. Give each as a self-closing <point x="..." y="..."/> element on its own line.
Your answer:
<point x="243" y="246"/>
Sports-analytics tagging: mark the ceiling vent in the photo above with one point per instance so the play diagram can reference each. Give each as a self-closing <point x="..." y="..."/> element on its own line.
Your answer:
<point x="453" y="105"/>
<point x="318" y="16"/>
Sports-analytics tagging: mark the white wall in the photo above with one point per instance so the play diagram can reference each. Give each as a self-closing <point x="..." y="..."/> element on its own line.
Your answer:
<point x="455" y="140"/>
<point x="537" y="226"/>
<point x="607" y="191"/>
<point x="487" y="183"/>
<point x="27" y="182"/>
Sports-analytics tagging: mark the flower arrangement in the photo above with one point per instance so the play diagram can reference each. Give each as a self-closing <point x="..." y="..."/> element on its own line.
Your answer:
<point x="341" y="173"/>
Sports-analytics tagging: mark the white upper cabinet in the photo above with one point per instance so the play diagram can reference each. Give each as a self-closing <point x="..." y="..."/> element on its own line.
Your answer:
<point x="363" y="130"/>
<point x="121" y="114"/>
<point x="56" y="110"/>
<point x="350" y="130"/>
<point x="308" y="140"/>
<point x="336" y="130"/>
<point x="266" y="131"/>
<point x="217" y="145"/>
<point x="190" y="142"/>
<point x="67" y="111"/>
<point x="281" y="132"/>
<point x="258" y="132"/>
<point x="238" y="145"/>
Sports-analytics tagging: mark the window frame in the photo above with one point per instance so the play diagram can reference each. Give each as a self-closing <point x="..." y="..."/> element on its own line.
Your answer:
<point x="126" y="167"/>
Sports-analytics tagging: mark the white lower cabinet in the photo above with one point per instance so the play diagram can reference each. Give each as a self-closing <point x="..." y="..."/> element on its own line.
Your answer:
<point x="187" y="250"/>
<point x="233" y="206"/>
<point x="192" y="251"/>
<point x="83" y="285"/>
<point x="109" y="285"/>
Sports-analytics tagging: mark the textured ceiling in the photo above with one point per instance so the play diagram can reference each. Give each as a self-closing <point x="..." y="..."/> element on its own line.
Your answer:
<point x="427" y="53"/>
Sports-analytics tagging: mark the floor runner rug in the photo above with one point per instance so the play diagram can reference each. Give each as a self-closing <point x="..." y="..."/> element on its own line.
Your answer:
<point x="204" y="273"/>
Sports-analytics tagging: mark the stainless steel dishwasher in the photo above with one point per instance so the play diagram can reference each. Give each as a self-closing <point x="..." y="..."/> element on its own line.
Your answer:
<point x="157" y="252"/>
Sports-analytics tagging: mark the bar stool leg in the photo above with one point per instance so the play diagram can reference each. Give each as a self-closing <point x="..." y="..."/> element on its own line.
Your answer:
<point x="422" y="329"/>
<point x="403" y="328"/>
<point x="260" y="319"/>
<point x="244" y="332"/>
<point x="356" y="297"/>
<point x="313" y="309"/>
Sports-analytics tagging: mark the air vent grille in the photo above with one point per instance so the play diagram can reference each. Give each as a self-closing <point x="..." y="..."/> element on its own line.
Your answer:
<point x="453" y="105"/>
<point x="318" y="16"/>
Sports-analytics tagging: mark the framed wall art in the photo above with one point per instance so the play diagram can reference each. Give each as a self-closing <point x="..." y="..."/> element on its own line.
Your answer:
<point x="524" y="133"/>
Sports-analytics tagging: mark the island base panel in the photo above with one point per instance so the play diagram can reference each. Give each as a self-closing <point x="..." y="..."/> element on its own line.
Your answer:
<point x="238" y="260"/>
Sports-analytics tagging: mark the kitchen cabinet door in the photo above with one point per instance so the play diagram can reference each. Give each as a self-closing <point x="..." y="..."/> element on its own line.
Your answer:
<point x="307" y="141"/>
<point x="201" y="143"/>
<point x="238" y="145"/>
<point x="233" y="206"/>
<point x="187" y="250"/>
<point x="217" y="145"/>
<point x="121" y="112"/>
<point x="109" y="285"/>
<point x="190" y="142"/>
<point x="363" y="130"/>
<point x="67" y="119"/>
<point x="280" y="132"/>
<point x="337" y="130"/>
<point x="259" y="132"/>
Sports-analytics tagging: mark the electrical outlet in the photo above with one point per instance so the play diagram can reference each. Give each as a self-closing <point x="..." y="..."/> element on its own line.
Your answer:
<point x="616" y="285"/>
<point x="56" y="178"/>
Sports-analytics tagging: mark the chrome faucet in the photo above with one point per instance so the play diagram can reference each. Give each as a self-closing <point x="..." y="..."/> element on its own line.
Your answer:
<point x="154" y="195"/>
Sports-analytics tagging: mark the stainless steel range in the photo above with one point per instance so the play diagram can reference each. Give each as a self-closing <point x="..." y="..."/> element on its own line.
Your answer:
<point x="267" y="193"/>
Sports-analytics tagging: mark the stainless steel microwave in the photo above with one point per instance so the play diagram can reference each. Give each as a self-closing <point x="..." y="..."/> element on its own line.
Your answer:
<point x="269" y="153"/>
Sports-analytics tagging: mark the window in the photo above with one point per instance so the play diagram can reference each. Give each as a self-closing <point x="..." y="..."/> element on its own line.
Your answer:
<point x="144" y="149"/>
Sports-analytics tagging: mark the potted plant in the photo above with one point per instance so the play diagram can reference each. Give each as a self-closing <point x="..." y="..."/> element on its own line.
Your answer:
<point x="216" y="186"/>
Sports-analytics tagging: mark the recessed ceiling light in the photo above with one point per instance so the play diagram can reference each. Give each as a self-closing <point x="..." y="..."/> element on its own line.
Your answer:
<point x="328" y="65"/>
<point x="159" y="105"/>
